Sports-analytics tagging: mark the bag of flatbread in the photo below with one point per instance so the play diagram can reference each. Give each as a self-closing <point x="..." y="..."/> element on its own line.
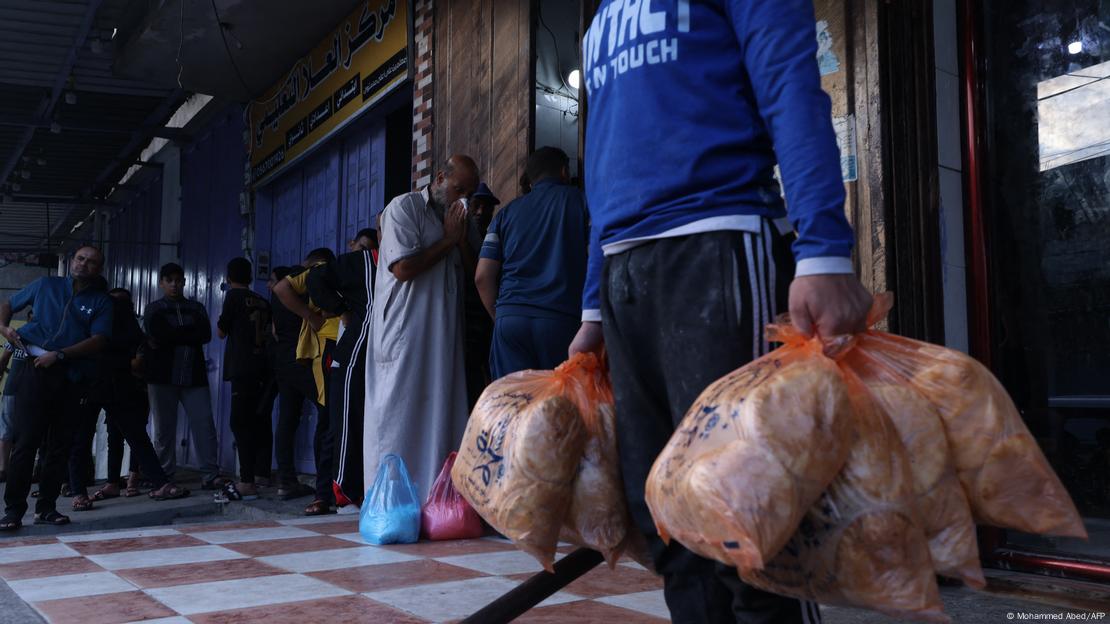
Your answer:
<point x="598" y="514"/>
<point x="753" y="454"/>
<point x="1005" y="475"/>
<point x="520" y="456"/>
<point x="940" y="505"/>
<point x="859" y="544"/>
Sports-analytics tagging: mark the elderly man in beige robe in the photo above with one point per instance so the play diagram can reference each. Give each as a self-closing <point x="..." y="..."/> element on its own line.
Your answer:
<point x="416" y="381"/>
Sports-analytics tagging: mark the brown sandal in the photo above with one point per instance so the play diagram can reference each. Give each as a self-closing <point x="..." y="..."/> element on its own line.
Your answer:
<point x="169" y="491"/>
<point x="110" y="490"/>
<point x="81" y="502"/>
<point x="318" y="508"/>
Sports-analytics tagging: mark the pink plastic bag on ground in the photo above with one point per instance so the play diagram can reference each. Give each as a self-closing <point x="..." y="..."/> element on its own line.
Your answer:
<point x="446" y="514"/>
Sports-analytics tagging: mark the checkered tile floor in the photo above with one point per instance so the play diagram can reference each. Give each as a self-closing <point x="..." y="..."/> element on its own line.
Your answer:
<point x="297" y="571"/>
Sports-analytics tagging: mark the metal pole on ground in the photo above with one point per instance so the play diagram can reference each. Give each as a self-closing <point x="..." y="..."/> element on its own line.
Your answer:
<point x="537" y="589"/>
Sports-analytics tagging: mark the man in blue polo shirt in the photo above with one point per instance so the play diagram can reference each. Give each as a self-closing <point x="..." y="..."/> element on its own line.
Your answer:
<point x="72" y="323"/>
<point x="692" y="104"/>
<point x="533" y="266"/>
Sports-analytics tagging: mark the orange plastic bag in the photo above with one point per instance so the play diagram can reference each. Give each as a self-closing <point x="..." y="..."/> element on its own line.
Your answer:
<point x="598" y="515"/>
<point x="446" y="514"/>
<point x="859" y="545"/>
<point x="520" y="456"/>
<point x="752" y="455"/>
<point x="940" y="505"/>
<point x="1005" y="476"/>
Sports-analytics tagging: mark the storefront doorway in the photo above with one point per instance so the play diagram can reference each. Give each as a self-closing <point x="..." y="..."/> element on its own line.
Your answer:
<point x="1044" y="150"/>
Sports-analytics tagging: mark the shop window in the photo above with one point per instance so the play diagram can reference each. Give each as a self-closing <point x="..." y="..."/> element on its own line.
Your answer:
<point x="1047" y="105"/>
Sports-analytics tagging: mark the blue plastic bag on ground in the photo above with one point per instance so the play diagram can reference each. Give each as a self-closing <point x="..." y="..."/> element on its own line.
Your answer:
<point x="390" y="512"/>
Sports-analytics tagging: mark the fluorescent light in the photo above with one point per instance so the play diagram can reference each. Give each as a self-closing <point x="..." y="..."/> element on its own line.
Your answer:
<point x="1075" y="47"/>
<point x="114" y="31"/>
<point x="574" y="79"/>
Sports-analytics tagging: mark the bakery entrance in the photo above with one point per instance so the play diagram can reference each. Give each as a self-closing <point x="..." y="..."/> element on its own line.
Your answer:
<point x="1045" y="81"/>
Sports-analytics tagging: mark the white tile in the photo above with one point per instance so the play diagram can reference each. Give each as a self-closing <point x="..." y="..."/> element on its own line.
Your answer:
<point x="163" y="556"/>
<point x="114" y="535"/>
<point x="19" y="554"/>
<point x="955" y="308"/>
<point x="650" y="602"/>
<point x="69" y="586"/>
<point x="177" y="619"/>
<point x="340" y="558"/>
<point x="456" y="599"/>
<point x="949" y="149"/>
<point x="243" y="593"/>
<point x="253" y="535"/>
<point x="351" y="537"/>
<point x="952" y="217"/>
<point x="501" y="563"/>
<point x="315" y="520"/>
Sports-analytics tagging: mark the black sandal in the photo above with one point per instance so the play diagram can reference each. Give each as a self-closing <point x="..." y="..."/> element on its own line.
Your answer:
<point x="52" y="518"/>
<point x="318" y="508"/>
<point x="216" y="483"/>
<point x="11" y="523"/>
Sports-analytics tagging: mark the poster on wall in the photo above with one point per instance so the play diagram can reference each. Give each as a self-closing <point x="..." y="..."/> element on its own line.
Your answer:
<point x="364" y="59"/>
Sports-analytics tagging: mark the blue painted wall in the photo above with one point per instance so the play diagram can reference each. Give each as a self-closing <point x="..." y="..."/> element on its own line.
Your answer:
<point x="321" y="202"/>
<point x="211" y="234"/>
<point x="133" y="248"/>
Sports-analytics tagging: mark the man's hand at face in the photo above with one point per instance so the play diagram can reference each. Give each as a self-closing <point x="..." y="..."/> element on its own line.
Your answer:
<point x="454" y="223"/>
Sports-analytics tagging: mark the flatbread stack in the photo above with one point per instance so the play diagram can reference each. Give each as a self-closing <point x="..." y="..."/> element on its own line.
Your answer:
<point x="848" y="473"/>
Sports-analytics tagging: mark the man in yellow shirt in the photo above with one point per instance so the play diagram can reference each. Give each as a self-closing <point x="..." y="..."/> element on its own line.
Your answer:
<point x="319" y="332"/>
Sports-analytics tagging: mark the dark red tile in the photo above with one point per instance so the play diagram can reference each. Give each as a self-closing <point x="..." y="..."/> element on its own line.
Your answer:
<point x="451" y="548"/>
<point x="160" y="542"/>
<point x="165" y="576"/>
<point x="11" y="542"/>
<point x="341" y="609"/>
<point x="47" y="567"/>
<point x="332" y="528"/>
<point x="585" y="612"/>
<point x="394" y="575"/>
<point x="104" y="609"/>
<point x="227" y="526"/>
<point x="266" y="548"/>
<point x="601" y="581"/>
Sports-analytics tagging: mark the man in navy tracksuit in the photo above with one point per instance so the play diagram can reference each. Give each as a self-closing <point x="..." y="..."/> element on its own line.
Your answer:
<point x="692" y="104"/>
<point x="532" y="267"/>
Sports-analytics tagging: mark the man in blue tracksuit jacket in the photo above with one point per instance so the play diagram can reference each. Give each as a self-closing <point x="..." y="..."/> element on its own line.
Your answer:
<point x="692" y="104"/>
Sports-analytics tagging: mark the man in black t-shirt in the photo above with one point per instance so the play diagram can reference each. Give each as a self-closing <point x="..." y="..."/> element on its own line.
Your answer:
<point x="244" y="323"/>
<point x="295" y="387"/>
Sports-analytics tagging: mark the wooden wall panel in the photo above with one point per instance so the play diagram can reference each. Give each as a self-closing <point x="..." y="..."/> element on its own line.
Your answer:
<point x="855" y="91"/>
<point x="483" y="87"/>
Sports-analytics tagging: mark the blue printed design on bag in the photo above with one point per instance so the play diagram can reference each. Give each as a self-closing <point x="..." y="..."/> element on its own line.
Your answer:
<point x="489" y="445"/>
